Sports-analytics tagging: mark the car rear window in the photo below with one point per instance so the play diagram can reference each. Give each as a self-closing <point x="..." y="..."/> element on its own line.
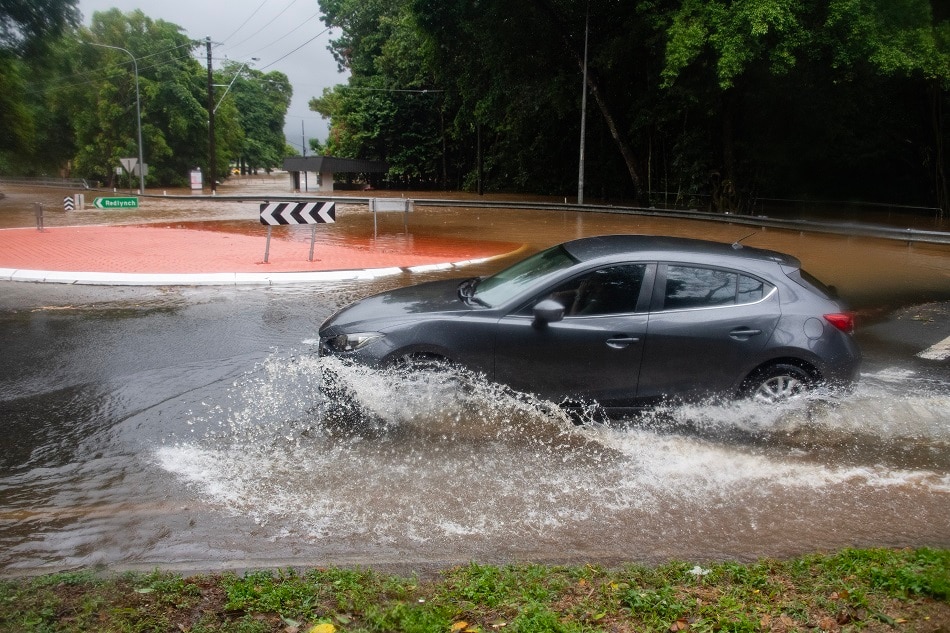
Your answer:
<point x="699" y="287"/>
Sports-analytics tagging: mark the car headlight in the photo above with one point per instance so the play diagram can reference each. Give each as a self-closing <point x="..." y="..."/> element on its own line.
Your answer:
<point x="350" y="342"/>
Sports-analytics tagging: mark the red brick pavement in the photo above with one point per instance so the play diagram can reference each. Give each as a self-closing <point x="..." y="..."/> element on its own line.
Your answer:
<point x="144" y="249"/>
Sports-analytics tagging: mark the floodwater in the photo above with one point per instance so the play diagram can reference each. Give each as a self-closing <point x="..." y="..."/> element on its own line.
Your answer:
<point x="197" y="429"/>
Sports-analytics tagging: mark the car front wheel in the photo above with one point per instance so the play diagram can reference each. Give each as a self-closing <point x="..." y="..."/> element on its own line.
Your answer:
<point x="777" y="383"/>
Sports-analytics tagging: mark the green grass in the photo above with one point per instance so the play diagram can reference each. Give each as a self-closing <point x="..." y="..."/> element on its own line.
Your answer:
<point x="860" y="590"/>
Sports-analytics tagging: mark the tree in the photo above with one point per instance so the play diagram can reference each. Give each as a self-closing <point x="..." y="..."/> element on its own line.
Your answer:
<point x="260" y="103"/>
<point x="829" y="59"/>
<point x="173" y="99"/>
<point x="389" y="110"/>
<point x="26" y="26"/>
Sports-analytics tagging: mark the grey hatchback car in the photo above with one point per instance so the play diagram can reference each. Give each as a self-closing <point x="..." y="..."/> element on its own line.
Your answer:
<point x="623" y="321"/>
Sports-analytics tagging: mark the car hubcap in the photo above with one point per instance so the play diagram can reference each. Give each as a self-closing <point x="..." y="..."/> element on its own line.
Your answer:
<point x="778" y="388"/>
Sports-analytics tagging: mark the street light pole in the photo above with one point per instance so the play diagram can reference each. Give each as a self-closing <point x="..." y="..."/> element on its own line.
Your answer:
<point x="138" y="110"/>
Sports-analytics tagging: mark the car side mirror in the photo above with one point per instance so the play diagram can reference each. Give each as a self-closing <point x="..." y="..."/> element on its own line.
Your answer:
<point x="548" y="311"/>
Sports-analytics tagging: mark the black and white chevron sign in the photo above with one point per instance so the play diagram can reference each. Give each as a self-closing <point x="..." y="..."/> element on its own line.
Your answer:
<point x="275" y="213"/>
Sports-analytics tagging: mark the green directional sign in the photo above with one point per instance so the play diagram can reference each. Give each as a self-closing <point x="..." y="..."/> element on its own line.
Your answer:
<point x="116" y="203"/>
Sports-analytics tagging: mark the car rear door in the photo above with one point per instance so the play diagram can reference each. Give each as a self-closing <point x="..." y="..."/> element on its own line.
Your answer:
<point x="706" y="328"/>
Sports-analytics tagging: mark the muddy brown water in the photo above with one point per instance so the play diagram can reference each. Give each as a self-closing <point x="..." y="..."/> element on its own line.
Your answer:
<point x="186" y="427"/>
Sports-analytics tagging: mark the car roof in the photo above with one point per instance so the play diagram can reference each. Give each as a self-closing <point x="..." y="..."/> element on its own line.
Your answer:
<point x="670" y="248"/>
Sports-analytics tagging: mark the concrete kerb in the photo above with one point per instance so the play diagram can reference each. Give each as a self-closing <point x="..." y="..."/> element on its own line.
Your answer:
<point x="189" y="279"/>
<point x="217" y="279"/>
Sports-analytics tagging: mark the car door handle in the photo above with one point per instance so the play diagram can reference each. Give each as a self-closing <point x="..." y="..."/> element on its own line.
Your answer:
<point x="620" y="342"/>
<point x="744" y="333"/>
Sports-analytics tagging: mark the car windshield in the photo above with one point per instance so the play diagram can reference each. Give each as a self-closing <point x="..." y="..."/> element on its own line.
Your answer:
<point x="507" y="284"/>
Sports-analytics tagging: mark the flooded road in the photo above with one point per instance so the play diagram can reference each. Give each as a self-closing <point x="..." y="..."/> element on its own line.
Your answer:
<point x="194" y="429"/>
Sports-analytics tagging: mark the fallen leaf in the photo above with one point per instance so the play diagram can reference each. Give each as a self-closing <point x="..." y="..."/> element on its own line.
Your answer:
<point x="458" y="626"/>
<point x="680" y="625"/>
<point x="323" y="627"/>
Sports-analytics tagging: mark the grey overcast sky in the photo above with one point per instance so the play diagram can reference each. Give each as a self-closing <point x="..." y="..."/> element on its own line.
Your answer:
<point x="286" y="35"/>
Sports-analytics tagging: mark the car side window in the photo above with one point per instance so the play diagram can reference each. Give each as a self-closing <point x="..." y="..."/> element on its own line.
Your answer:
<point x="610" y="290"/>
<point x="698" y="287"/>
<point x="695" y="287"/>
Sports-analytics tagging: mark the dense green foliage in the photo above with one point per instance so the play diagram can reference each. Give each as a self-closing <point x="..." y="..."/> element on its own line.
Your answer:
<point x="718" y="102"/>
<point x="70" y="105"/>
<point x="871" y="590"/>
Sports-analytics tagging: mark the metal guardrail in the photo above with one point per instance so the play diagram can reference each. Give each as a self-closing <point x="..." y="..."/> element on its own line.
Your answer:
<point x="812" y="226"/>
<point x="59" y="183"/>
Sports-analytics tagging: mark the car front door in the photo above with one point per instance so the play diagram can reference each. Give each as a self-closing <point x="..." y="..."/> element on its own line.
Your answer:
<point x="705" y="329"/>
<point x="594" y="352"/>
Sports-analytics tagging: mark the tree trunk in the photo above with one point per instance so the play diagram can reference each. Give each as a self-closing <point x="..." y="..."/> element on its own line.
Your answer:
<point x="625" y="151"/>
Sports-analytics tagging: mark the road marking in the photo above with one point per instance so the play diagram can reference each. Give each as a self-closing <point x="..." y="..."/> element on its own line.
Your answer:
<point x="940" y="351"/>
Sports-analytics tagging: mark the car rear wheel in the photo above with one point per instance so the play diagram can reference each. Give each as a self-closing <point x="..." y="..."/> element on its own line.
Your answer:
<point x="777" y="383"/>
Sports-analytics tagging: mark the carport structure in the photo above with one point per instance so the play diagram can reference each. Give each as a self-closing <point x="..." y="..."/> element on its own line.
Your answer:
<point x="326" y="167"/>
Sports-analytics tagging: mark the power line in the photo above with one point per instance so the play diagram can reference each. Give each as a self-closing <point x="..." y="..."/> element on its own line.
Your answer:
<point x="282" y="12"/>
<point x="253" y="13"/>
<point x="418" y="90"/>
<point x="296" y="49"/>
<point x="281" y="38"/>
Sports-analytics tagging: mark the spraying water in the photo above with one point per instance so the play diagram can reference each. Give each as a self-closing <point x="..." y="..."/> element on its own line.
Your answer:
<point x="405" y="459"/>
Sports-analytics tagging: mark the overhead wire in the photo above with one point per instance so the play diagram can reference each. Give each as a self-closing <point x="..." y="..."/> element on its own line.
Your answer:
<point x="296" y="49"/>
<point x="271" y="21"/>
<point x="253" y="13"/>
<point x="281" y="38"/>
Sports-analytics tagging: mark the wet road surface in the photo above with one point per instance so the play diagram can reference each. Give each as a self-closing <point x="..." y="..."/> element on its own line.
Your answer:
<point x="186" y="428"/>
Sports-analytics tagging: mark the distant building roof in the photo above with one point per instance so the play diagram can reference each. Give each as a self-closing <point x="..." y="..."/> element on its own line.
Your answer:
<point x="335" y="165"/>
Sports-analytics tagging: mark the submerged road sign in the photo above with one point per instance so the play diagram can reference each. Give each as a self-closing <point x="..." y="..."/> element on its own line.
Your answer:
<point x="116" y="203"/>
<point x="275" y="213"/>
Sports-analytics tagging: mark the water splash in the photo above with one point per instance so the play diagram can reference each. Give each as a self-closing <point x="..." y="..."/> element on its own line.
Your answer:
<point x="323" y="449"/>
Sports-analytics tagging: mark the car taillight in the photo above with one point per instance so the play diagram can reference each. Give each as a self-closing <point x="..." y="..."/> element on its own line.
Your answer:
<point x="844" y="321"/>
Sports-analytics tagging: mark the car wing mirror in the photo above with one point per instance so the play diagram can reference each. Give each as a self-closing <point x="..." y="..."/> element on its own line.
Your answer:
<point x="548" y="311"/>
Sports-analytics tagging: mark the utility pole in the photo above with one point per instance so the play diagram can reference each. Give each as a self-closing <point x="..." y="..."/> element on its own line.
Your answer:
<point x="212" y="151"/>
<point x="580" y="168"/>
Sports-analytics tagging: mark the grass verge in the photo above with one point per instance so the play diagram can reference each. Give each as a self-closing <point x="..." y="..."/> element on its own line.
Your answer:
<point x="856" y="589"/>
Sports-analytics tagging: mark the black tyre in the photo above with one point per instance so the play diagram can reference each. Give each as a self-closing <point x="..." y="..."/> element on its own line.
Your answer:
<point x="777" y="383"/>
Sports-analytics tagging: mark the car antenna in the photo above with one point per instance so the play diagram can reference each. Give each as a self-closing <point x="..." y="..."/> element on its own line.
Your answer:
<point x="738" y="243"/>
